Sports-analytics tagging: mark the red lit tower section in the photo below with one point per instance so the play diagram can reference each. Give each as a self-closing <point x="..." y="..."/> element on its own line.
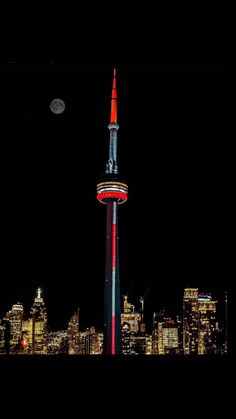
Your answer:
<point x="112" y="192"/>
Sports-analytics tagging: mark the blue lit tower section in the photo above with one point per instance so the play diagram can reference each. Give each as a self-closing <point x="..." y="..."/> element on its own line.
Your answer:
<point x="112" y="192"/>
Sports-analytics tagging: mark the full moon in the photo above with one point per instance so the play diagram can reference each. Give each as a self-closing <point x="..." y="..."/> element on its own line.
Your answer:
<point x="57" y="106"/>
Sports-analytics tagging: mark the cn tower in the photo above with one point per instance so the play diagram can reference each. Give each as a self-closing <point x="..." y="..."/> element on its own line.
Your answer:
<point x="112" y="191"/>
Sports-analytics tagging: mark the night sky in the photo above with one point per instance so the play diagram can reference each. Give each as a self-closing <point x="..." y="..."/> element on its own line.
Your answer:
<point x="172" y="150"/>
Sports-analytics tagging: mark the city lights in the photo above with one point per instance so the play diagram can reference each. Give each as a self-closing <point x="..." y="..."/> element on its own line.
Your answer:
<point x="200" y="331"/>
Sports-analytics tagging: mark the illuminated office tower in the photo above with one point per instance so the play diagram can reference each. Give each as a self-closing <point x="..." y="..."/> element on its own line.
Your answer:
<point x="142" y="325"/>
<point x="168" y="342"/>
<point x="100" y="338"/>
<point x="179" y="324"/>
<point x="131" y="316"/>
<point x="95" y="342"/>
<point x="148" y="344"/>
<point x="112" y="191"/>
<point x="157" y="346"/>
<point x="4" y="337"/>
<point x="190" y="321"/>
<point x="57" y="342"/>
<point x="160" y="346"/>
<point x="74" y="334"/>
<point x="207" y="324"/>
<point x="39" y="325"/>
<point x="91" y="342"/>
<point x="129" y="327"/>
<point x="134" y="339"/>
<point x="27" y="335"/>
<point x="170" y="339"/>
<point x="165" y="335"/>
<point x="15" y="316"/>
<point x="155" y="334"/>
<point x="128" y="339"/>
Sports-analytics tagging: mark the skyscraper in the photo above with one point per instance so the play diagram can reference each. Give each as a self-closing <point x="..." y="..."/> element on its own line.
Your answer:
<point x="73" y="334"/>
<point x="57" y="342"/>
<point x="199" y="323"/>
<point x="91" y="342"/>
<point x="39" y="325"/>
<point x="135" y="340"/>
<point x="27" y="334"/>
<point x="4" y="337"/>
<point x="165" y="335"/>
<point x="207" y="324"/>
<point x="112" y="192"/>
<point x="130" y="321"/>
<point x="155" y="334"/>
<point x="190" y="321"/>
<point x="15" y="316"/>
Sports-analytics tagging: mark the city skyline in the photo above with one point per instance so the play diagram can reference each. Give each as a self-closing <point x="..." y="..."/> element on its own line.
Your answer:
<point x="174" y="228"/>
<point x="134" y="298"/>
<point x="199" y="329"/>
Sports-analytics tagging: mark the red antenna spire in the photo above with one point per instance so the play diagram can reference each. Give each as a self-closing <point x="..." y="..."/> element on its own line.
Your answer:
<point x="113" y="119"/>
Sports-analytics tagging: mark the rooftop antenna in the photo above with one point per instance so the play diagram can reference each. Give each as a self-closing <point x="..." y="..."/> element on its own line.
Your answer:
<point x="147" y="291"/>
<point x="130" y="287"/>
<point x="141" y="300"/>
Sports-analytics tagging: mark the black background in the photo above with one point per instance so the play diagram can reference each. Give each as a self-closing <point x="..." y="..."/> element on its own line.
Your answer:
<point x="193" y="41"/>
<point x="172" y="149"/>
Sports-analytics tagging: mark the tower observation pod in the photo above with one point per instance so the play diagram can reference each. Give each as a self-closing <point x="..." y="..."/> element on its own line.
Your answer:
<point x="112" y="191"/>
